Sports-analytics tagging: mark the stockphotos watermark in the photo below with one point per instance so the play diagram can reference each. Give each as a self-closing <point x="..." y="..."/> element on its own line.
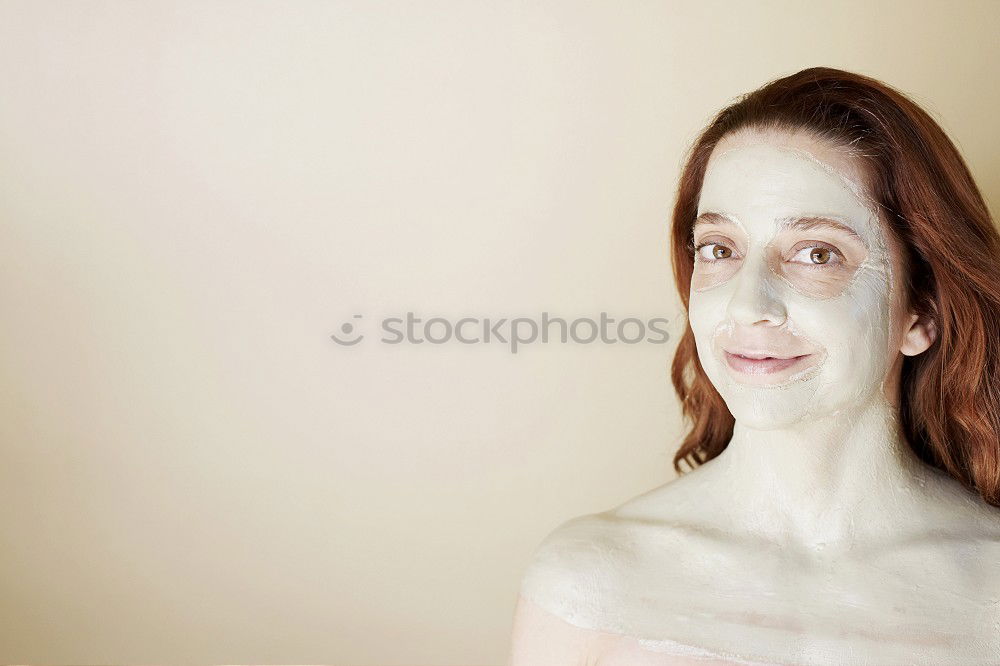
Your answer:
<point x="515" y="332"/>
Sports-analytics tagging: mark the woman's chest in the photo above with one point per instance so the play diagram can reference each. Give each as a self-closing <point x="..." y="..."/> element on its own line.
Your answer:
<point x="794" y="607"/>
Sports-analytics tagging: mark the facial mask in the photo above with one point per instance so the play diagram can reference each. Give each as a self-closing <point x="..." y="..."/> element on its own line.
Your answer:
<point x="792" y="262"/>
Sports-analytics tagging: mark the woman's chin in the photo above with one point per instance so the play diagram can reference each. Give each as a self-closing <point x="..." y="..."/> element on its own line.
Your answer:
<point x="763" y="409"/>
<point x="765" y="420"/>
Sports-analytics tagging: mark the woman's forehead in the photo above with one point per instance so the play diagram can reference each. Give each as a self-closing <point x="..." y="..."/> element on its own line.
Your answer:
<point x="758" y="183"/>
<point x="798" y="148"/>
<point x="841" y="159"/>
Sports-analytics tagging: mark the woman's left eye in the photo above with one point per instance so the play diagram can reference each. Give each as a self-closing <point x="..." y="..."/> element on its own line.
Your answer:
<point x="817" y="255"/>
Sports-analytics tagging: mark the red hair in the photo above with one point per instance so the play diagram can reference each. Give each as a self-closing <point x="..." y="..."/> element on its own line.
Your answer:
<point x="927" y="198"/>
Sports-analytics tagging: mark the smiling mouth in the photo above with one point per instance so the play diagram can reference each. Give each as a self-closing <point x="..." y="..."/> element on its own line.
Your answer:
<point x="760" y="364"/>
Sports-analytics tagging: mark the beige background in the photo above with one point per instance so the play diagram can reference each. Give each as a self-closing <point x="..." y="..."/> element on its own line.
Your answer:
<point x="196" y="195"/>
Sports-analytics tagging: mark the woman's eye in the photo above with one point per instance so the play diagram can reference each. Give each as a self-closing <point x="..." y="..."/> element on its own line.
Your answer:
<point x="714" y="251"/>
<point x="816" y="255"/>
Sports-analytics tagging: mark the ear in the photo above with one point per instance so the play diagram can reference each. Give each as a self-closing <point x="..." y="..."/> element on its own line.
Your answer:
<point x="920" y="334"/>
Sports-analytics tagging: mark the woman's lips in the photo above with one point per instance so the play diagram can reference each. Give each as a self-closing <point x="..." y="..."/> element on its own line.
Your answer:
<point x="763" y="366"/>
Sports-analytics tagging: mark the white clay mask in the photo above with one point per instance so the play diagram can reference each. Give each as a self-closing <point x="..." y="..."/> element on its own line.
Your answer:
<point x="792" y="264"/>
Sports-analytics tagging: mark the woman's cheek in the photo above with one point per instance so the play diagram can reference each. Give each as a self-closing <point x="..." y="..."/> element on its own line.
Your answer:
<point x="706" y="315"/>
<point x="853" y="332"/>
<point x="868" y="320"/>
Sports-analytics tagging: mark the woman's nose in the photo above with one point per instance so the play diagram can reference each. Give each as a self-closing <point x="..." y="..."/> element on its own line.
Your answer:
<point x="757" y="296"/>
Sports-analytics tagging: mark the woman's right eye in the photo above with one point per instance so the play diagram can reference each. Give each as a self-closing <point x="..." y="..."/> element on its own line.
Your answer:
<point x="713" y="251"/>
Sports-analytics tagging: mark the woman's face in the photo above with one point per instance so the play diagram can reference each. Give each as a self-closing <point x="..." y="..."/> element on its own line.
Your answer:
<point x="792" y="264"/>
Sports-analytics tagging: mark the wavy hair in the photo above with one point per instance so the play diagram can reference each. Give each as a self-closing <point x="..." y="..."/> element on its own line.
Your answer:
<point x="926" y="196"/>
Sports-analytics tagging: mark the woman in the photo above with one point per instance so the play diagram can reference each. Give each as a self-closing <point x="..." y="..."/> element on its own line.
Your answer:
<point x="841" y="373"/>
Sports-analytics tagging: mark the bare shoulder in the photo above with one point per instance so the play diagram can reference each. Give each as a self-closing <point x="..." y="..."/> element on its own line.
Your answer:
<point x="592" y="566"/>
<point x="575" y="568"/>
<point x="583" y="559"/>
<point x="563" y="600"/>
<point x="961" y="523"/>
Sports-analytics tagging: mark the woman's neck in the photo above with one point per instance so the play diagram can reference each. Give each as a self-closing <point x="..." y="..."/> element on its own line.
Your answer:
<point x="826" y="484"/>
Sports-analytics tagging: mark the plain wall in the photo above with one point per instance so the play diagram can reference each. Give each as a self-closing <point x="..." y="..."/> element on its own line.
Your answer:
<point x="194" y="196"/>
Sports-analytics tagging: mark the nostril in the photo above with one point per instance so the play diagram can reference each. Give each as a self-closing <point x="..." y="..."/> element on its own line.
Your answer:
<point x="755" y="302"/>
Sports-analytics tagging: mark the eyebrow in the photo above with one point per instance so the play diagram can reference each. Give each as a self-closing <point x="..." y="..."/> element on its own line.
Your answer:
<point x="802" y="223"/>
